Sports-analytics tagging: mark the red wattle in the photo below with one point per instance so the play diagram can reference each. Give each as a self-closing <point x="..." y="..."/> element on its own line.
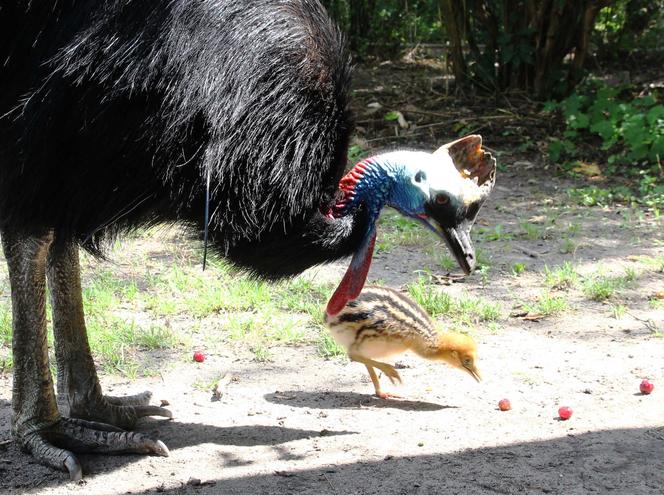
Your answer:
<point x="353" y="282"/>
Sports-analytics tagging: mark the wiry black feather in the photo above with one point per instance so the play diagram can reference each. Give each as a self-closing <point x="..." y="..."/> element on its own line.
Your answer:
<point x="113" y="112"/>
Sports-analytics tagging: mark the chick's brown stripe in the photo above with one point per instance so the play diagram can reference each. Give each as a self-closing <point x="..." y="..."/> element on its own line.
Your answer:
<point x="404" y="322"/>
<point x="400" y="307"/>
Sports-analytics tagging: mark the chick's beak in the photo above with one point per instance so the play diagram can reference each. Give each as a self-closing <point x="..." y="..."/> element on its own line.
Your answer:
<point x="475" y="373"/>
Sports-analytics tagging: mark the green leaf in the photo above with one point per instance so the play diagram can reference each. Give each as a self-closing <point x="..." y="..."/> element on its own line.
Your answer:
<point x="391" y="116"/>
<point x="655" y="116"/>
<point x="604" y="128"/>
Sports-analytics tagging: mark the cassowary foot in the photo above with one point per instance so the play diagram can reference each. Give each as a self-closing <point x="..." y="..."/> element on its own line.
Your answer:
<point x="122" y="412"/>
<point x="55" y="445"/>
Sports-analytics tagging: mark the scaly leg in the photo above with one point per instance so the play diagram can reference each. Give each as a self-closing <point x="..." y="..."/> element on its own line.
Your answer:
<point x="389" y="370"/>
<point x="37" y="425"/>
<point x="79" y="392"/>
<point x="376" y="384"/>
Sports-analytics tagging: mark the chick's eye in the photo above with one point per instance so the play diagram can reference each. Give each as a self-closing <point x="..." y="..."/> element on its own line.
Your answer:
<point x="442" y="199"/>
<point x="467" y="362"/>
<point x="420" y="177"/>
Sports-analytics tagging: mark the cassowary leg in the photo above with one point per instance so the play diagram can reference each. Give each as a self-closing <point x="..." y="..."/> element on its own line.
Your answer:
<point x="79" y="392"/>
<point x="37" y="426"/>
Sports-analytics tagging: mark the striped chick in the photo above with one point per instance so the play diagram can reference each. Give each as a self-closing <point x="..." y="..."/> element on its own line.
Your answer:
<point x="383" y="322"/>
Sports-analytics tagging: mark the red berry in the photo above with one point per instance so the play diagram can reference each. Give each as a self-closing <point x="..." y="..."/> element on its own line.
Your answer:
<point x="646" y="387"/>
<point x="565" y="412"/>
<point x="199" y="357"/>
<point x="504" y="405"/>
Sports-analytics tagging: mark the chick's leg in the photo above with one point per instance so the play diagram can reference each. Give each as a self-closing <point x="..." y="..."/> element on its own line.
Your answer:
<point x="391" y="373"/>
<point x="79" y="392"/>
<point x="36" y="424"/>
<point x="376" y="384"/>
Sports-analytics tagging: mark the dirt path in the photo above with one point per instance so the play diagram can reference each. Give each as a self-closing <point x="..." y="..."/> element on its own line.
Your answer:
<point x="302" y="424"/>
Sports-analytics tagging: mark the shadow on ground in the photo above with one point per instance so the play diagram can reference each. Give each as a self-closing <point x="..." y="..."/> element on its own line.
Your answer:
<point x="347" y="400"/>
<point x="628" y="461"/>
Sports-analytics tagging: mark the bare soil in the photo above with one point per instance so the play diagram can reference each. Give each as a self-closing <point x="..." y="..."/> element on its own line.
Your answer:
<point x="302" y="424"/>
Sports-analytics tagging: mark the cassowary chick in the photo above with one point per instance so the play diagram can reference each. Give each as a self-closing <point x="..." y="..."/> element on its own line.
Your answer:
<point x="382" y="322"/>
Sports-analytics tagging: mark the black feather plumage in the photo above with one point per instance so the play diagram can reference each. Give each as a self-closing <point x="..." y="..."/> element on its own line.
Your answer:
<point x="112" y="114"/>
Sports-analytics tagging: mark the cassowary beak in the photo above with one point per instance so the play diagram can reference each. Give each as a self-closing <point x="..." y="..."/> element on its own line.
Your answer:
<point x="452" y="218"/>
<point x="458" y="241"/>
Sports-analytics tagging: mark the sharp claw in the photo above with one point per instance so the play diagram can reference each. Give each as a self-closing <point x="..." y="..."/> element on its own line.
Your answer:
<point x="74" y="467"/>
<point x="161" y="449"/>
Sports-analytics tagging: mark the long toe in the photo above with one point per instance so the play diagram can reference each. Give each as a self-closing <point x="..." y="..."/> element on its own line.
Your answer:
<point x="43" y="451"/>
<point x="391" y="373"/>
<point x="122" y="412"/>
<point x="85" y="436"/>
<point x="142" y="399"/>
<point x="55" y="445"/>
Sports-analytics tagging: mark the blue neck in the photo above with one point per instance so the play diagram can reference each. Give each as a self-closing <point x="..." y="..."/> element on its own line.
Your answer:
<point x="374" y="182"/>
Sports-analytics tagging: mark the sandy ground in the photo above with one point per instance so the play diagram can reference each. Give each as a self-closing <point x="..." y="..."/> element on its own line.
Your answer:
<point x="302" y="424"/>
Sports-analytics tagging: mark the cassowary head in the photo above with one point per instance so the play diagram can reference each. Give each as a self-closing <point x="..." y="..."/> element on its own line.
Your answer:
<point x="444" y="190"/>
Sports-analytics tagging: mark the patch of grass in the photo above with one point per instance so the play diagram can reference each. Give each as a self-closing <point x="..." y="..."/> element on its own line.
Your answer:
<point x="573" y="228"/>
<point x="548" y="305"/>
<point x="618" y="311"/>
<point x="599" y="287"/>
<point x="518" y="269"/>
<point x="496" y="233"/>
<point x="446" y="262"/>
<point x="483" y="272"/>
<point x="562" y="277"/>
<point x="5" y="325"/>
<point x="327" y="347"/>
<point x="117" y="343"/>
<point x="655" y="263"/>
<point x="531" y="231"/>
<point x="465" y="310"/>
<point x="434" y="301"/>
<point x="568" y="246"/>
<point x="6" y="363"/>
<point x="396" y="230"/>
<point x="261" y="353"/>
<point x="655" y="303"/>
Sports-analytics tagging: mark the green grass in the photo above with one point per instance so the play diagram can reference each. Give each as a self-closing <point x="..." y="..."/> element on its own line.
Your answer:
<point x="531" y="231"/>
<point x="600" y="287"/>
<point x="496" y="233"/>
<point x="618" y="311"/>
<point x="396" y="230"/>
<point x="548" y="305"/>
<point x="465" y="310"/>
<point x="562" y="277"/>
<point x="5" y="324"/>
<point x="568" y="246"/>
<point x="327" y="347"/>
<point x="655" y="263"/>
<point x="518" y="269"/>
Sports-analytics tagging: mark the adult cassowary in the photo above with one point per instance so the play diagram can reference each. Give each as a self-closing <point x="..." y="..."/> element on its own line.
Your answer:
<point x="116" y="114"/>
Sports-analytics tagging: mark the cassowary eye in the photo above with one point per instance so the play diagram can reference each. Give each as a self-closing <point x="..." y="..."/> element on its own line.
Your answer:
<point x="420" y="176"/>
<point x="442" y="199"/>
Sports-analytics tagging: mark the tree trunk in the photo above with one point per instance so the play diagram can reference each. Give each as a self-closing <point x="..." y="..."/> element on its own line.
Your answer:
<point x="453" y="15"/>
